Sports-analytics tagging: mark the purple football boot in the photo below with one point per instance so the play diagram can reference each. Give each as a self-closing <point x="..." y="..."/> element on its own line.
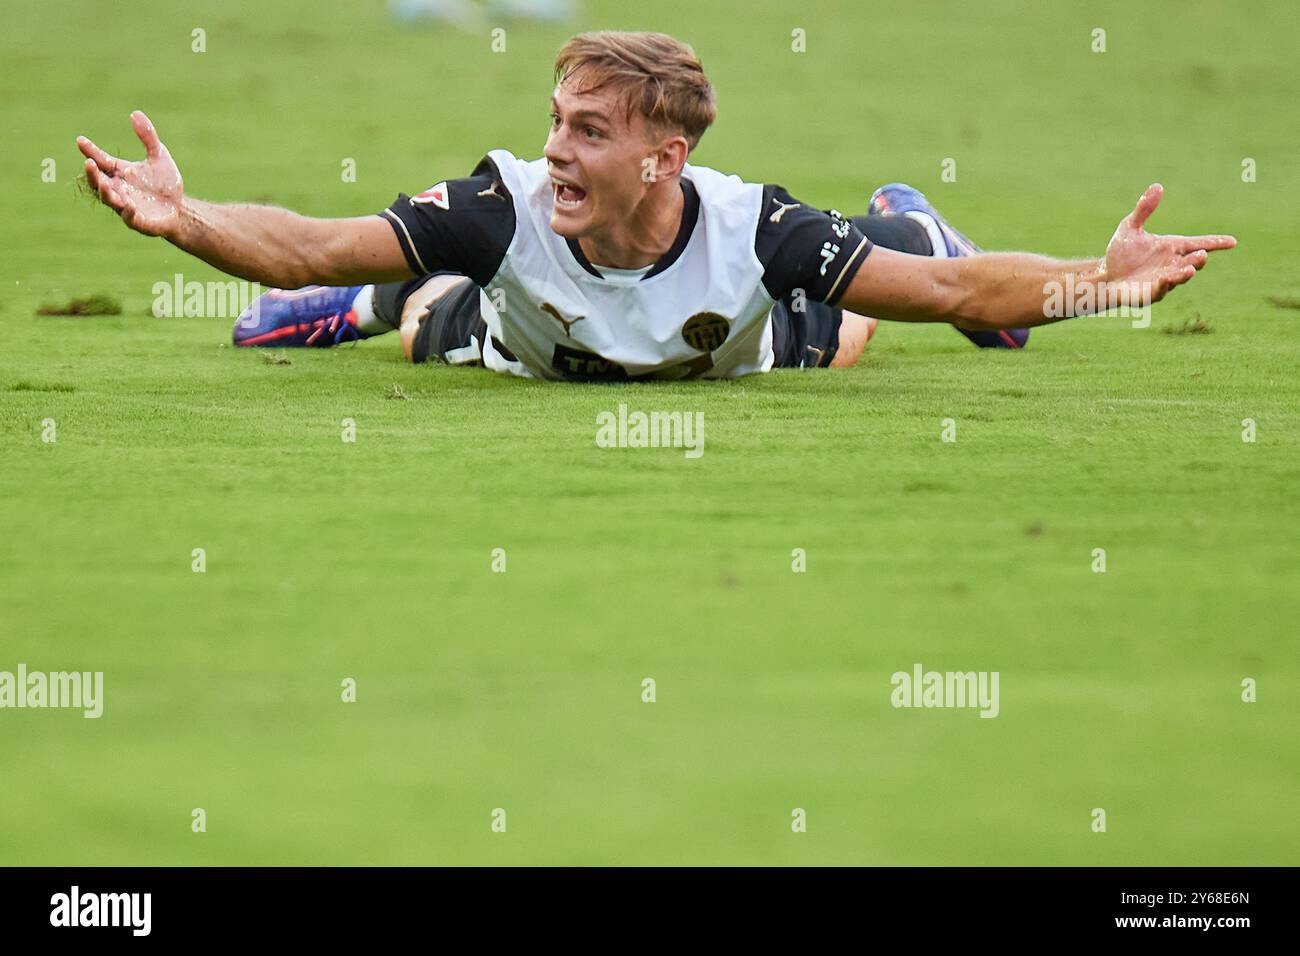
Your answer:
<point x="899" y="199"/>
<point x="316" y="315"/>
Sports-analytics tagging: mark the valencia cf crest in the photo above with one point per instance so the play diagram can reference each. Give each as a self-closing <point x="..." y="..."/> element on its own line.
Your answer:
<point x="435" y="194"/>
<point x="705" y="331"/>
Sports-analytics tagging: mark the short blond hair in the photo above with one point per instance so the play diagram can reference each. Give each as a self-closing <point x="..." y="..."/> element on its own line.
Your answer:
<point x="658" y="76"/>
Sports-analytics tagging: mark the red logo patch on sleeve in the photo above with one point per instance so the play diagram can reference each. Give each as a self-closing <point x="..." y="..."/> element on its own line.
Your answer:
<point x="436" y="194"/>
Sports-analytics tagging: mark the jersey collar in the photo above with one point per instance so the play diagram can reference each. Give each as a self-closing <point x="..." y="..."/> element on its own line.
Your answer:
<point x="690" y="213"/>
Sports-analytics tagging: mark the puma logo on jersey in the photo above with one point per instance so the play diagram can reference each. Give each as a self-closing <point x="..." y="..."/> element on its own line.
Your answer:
<point x="828" y="253"/>
<point x="776" y="216"/>
<point x="492" y="191"/>
<point x="567" y="323"/>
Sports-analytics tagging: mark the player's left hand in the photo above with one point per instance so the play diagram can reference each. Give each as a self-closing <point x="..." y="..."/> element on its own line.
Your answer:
<point x="1138" y="259"/>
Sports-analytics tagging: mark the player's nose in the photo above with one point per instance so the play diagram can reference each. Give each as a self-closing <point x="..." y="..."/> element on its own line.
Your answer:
<point x="558" y="149"/>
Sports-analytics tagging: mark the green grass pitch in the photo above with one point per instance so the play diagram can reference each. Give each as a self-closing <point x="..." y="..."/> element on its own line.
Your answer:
<point x="476" y="690"/>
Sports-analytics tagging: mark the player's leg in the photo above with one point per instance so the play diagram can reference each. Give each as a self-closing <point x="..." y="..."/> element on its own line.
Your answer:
<point x="411" y="302"/>
<point x="323" y="316"/>
<point x="808" y="334"/>
<point x="900" y="217"/>
<point x="855" y="332"/>
<point x="440" y="319"/>
<point x="900" y="233"/>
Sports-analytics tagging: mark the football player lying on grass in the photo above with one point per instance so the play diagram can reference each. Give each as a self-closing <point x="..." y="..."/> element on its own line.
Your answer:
<point x="613" y="258"/>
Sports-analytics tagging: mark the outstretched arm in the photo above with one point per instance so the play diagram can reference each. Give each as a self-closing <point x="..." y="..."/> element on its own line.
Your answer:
<point x="272" y="246"/>
<point x="1018" y="290"/>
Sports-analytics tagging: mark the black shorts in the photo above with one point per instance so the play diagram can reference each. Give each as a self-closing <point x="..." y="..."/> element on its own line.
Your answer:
<point x="805" y="334"/>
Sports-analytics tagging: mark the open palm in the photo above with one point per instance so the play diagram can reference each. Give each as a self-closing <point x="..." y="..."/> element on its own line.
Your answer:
<point x="1138" y="259"/>
<point x="146" y="194"/>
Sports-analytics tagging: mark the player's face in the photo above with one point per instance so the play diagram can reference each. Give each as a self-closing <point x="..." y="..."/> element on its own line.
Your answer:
<point x="595" y="153"/>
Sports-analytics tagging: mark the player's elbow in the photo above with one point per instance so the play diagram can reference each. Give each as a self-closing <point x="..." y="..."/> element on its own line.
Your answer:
<point x="306" y="252"/>
<point x="350" y="252"/>
<point x="971" y="303"/>
<point x="284" y="266"/>
<point x="942" y="290"/>
<point x="960" y="302"/>
<point x="976" y="323"/>
<point x="311" y="264"/>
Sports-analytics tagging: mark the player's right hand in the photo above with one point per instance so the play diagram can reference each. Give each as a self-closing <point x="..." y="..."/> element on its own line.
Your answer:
<point x="148" y="194"/>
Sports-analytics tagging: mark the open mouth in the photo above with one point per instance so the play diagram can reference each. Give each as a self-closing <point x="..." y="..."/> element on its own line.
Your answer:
<point x="567" y="195"/>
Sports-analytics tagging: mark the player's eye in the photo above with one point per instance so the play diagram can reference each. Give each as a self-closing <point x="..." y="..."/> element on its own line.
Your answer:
<point x="592" y="133"/>
<point x="555" y="120"/>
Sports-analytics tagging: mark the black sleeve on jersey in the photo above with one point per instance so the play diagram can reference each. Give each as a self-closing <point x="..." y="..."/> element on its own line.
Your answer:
<point x="805" y="248"/>
<point x="465" y="226"/>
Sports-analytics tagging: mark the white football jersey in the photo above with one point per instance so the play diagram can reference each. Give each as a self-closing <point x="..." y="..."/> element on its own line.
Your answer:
<point x="702" y="311"/>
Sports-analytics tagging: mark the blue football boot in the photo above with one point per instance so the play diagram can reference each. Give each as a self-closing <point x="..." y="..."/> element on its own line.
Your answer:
<point x="899" y="199"/>
<point x="316" y="315"/>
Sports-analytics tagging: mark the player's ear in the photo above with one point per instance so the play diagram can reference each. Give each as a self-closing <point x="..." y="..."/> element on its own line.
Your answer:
<point x="670" y="156"/>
